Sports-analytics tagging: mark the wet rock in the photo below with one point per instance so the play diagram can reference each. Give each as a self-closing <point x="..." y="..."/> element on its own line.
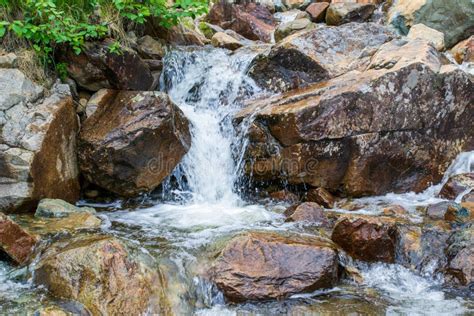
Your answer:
<point x="366" y="132"/>
<point x="464" y="51"/>
<point x="317" y="11"/>
<point x="286" y="29"/>
<point x="98" y="67"/>
<point x="321" y="196"/>
<point x="438" y="211"/>
<point x="421" y="31"/>
<point x="131" y="143"/>
<point x="54" y="208"/>
<point x="251" y="20"/>
<point x="340" y="13"/>
<point x="100" y="273"/>
<point x="8" y="60"/>
<point x="149" y="48"/>
<point x="260" y="266"/>
<point x="366" y="238"/>
<point x="317" y="55"/>
<point x="284" y="195"/>
<point x="457" y="185"/>
<point x="459" y="215"/>
<point x="223" y="40"/>
<point x="15" y="241"/>
<point x="394" y="210"/>
<point x="454" y="19"/>
<point x="460" y="252"/>
<point x="306" y="212"/>
<point x="37" y="143"/>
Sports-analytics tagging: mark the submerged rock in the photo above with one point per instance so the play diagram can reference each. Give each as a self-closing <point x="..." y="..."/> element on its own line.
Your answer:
<point x="53" y="208"/>
<point x="367" y="238"/>
<point x="457" y="185"/>
<point x="260" y="266"/>
<point x="454" y="18"/>
<point x="131" y="143"/>
<point x="319" y="54"/>
<point x="37" y="143"/>
<point x="368" y="132"/>
<point x="340" y="13"/>
<point x="251" y="20"/>
<point x="15" y="241"/>
<point x="100" y="273"/>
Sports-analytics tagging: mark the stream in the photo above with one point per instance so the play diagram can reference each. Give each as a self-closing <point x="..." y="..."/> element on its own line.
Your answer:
<point x="184" y="225"/>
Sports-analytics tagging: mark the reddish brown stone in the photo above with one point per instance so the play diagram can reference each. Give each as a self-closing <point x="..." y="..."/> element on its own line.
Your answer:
<point x="260" y="266"/>
<point x="284" y="195"/>
<point x="317" y="11"/>
<point x="321" y="196"/>
<point x="14" y="241"/>
<point x="306" y="212"/>
<point x="456" y="185"/>
<point x="366" y="238"/>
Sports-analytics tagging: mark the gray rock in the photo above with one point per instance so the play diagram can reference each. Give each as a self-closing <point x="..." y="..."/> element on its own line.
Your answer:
<point x="53" y="208"/>
<point x="8" y="60"/>
<point x="286" y="29"/>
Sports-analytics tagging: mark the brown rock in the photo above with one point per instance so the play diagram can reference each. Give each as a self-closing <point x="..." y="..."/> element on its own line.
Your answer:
<point x="438" y="211"/>
<point x="321" y="196"/>
<point x="261" y="266"/>
<point x="394" y="210"/>
<point x="469" y="197"/>
<point x="367" y="238"/>
<point x="312" y="56"/>
<point x="223" y="40"/>
<point x="366" y="132"/>
<point x="132" y="143"/>
<point x="284" y="195"/>
<point x="464" y="51"/>
<point x="97" y="67"/>
<point x="456" y="185"/>
<point x="98" y="272"/>
<point x="251" y="20"/>
<point x="340" y="13"/>
<point x="317" y="11"/>
<point x="14" y="241"/>
<point x="306" y="212"/>
<point x="149" y="48"/>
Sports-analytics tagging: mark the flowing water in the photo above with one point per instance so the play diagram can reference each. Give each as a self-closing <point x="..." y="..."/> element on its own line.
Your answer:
<point x="201" y="208"/>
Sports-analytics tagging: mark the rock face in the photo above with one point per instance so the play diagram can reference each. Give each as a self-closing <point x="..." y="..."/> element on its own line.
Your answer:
<point x="322" y="53"/>
<point x="97" y="67"/>
<point x="267" y="266"/>
<point x="253" y="21"/>
<point x="98" y="272"/>
<point x="54" y="208"/>
<point x="366" y="133"/>
<point x="285" y="29"/>
<point x="340" y="13"/>
<point x="367" y="238"/>
<point x="456" y="185"/>
<point x="14" y="241"/>
<point x="37" y="143"/>
<point x="131" y="144"/>
<point x="421" y="31"/>
<point x="454" y="18"/>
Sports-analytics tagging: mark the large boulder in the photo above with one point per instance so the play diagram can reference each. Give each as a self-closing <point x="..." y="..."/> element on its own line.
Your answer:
<point x="15" y="241"/>
<point x="37" y="143"/>
<point x="252" y="20"/>
<point x="454" y="18"/>
<point x="319" y="54"/>
<point x="98" y="66"/>
<point x="366" y="132"/>
<point x="131" y="143"/>
<point x="100" y="273"/>
<point x="367" y="238"/>
<point x="262" y="265"/>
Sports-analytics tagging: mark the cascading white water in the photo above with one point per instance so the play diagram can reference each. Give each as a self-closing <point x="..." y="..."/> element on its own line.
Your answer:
<point x="207" y="84"/>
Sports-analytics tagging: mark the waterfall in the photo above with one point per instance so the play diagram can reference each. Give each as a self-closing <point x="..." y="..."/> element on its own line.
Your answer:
<point x="208" y="85"/>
